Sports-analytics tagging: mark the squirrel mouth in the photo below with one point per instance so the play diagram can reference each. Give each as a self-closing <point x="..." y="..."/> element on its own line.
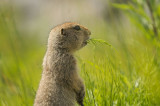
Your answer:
<point x="86" y="41"/>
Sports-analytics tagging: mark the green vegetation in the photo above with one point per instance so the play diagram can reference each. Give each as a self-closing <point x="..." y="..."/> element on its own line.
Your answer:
<point x="123" y="72"/>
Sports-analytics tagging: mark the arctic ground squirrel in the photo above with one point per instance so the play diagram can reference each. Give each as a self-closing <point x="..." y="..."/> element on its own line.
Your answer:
<point x="61" y="84"/>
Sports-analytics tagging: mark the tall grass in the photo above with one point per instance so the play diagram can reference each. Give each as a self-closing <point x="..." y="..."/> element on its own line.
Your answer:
<point x="122" y="72"/>
<point x="108" y="82"/>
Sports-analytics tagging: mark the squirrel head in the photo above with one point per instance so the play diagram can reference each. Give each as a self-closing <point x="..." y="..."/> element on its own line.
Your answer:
<point x="69" y="36"/>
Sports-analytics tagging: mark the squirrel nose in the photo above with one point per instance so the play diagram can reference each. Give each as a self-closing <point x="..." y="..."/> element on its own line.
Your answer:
<point x="89" y="32"/>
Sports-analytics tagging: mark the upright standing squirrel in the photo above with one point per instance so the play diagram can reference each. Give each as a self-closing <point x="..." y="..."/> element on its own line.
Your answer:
<point x="60" y="84"/>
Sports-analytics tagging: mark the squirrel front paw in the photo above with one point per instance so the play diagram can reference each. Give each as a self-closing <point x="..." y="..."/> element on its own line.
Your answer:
<point x="80" y="97"/>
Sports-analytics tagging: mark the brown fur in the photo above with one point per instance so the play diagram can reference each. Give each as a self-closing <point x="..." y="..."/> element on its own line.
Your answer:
<point x="60" y="84"/>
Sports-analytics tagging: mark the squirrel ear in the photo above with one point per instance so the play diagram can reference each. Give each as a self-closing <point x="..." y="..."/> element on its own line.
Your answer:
<point x="62" y="31"/>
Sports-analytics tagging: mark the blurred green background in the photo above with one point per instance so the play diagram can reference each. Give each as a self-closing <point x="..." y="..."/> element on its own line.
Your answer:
<point x="125" y="74"/>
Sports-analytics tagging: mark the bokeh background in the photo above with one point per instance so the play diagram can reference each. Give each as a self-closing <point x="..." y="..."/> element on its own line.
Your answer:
<point x="127" y="73"/>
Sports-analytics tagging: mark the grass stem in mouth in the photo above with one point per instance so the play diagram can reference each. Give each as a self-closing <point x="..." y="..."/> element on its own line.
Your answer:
<point x="95" y="41"/>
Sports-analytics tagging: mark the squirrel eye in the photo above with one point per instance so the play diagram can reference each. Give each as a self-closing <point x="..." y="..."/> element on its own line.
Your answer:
<point x="77" y="27"/>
